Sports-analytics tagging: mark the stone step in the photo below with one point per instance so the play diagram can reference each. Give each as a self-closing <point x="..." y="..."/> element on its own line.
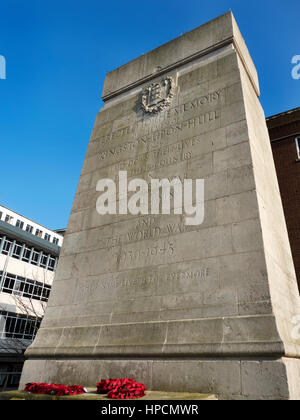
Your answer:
<point x="92" y="395"/>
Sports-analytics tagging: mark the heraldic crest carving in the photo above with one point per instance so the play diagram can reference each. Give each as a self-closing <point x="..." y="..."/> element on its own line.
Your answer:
<point x="158" y="95"/>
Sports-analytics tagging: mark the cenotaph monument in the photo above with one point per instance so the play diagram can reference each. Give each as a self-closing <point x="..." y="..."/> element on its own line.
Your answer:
<point x="210" y="307"/>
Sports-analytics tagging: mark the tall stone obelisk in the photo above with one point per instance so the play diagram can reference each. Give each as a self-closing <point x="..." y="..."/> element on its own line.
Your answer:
<point x="207" y="308"/>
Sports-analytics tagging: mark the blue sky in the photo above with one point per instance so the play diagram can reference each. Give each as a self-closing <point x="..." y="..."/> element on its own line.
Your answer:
<point x="57" y="53"/>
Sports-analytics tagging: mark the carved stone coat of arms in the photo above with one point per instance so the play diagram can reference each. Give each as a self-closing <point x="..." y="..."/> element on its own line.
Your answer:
<point x="158" y="95"/>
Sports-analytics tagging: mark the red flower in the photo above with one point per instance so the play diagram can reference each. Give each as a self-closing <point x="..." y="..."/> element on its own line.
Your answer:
<point x="121" y="388"/>
<point x="114" y="388"/>
<point x="53" y="389"/>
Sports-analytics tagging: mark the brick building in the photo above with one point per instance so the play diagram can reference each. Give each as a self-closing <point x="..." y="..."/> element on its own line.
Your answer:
<point x="284" y="132"/>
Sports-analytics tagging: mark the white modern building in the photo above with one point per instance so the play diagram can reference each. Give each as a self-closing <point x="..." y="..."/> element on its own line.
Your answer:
<point x="28" y="258"/>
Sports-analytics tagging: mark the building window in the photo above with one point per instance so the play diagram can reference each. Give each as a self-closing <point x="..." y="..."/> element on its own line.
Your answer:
<point x="10" y="374"/>
<point x="16" y="252"/>
<point x="55" y="241"/>
<point x="47" y="237"/>
<point x="29" y="228"/>
<point x="52" y="264"/>
<point x="14" y="325"/>
<point x="20" y="224"/>
<point x="6" y="247"/>
<point x="8" y="283"/>
<point x="1" y="214"/>
<point x="298" y="147"/>
<point x="44" y="260"/>
<point x="20" y="286"/>
<point x="27" y="254"/>
<point x="8" y="218"/>
<point x="39" y="233"/>
<point x="35" y="257"/>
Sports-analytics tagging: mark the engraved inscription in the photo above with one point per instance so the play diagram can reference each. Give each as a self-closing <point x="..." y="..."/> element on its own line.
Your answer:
<point x="160" y="158"/>
<point x="154" y="278"/>
<point x="158" y="135"/>
<point x="88" y="288"/>
<point x="159" y="121"/>
<point x="166" y="249"/>
<point x="147" y="232"/>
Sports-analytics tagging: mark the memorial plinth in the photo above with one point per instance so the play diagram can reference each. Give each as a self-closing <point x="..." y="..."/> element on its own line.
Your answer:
<point x="206" y="308"/>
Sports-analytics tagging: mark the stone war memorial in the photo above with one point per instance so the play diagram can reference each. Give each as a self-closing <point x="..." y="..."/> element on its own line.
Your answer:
<point x="206" y="308"/>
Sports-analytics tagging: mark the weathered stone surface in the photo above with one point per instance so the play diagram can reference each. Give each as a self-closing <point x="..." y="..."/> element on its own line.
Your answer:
<point x="205" y="308"/>
<point x="92" y="395"/>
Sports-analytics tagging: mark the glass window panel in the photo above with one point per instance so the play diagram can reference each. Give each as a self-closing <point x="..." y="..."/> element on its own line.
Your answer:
<point x="26" y="254"/>
<point x="10" y="327"/>
<point x="29" y="228"/>
<point x="8" y="284"/>
<point x="6" y="247"/>
<point x="17" y="250"/>
<point x="44" y="260"/>
<point x="20" y="224"/>
<point x="35" y="257"/>
<point x="51" y="264"/>
<point x="298" y="146"/>
<point x="39" y="233"/>
<point x="47" y="237"/>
